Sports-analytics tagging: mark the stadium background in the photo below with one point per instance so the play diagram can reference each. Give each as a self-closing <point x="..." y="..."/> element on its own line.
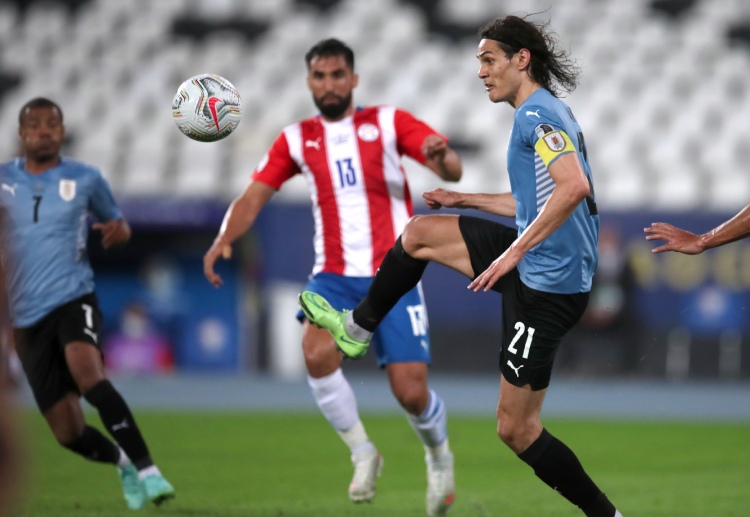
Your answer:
<point x="663" y="102"/>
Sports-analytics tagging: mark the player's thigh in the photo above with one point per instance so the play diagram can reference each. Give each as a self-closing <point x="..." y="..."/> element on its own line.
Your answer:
<point x="485" y="241"/>
<point x="519" y="415"/>
<point x="403" y="335"/>
<point x="534" y="324"/>
<point x="43" y="362"/>
<point x="437" y="238"/>
<point x="79" y="332"/>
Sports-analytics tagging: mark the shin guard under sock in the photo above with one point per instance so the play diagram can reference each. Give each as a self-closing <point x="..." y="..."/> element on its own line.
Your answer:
<point x="555" y="464"/>
<point x="118" y="420"/>
<point x="398" y="274"/>
<point x="94" y="446"/>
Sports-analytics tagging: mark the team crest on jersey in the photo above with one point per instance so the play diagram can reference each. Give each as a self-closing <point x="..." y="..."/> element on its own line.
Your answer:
<point x="554" y="141"/>
<point x="368" y="132"/>
<point x="543" y="129"/>
<point x="68" y="190"/>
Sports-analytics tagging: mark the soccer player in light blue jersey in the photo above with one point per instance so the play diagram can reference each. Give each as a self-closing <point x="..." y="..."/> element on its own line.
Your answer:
<point x="543" y="269"/>
<point x="46" y="200"/>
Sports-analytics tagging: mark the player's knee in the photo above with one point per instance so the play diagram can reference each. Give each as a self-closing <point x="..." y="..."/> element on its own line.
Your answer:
<point x="413" y="397"/>
<point x="411" y="237"/>
<point x="68" y="435"/>
<point x="517" y="434"/>
<point x="321" y="356"/>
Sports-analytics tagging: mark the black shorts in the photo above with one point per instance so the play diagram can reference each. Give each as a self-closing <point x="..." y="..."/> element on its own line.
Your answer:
<point x="41" y="347"/>
<point x="534" y="322"/>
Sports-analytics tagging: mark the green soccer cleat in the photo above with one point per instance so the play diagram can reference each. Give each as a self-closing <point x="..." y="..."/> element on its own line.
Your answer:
<point x="157" y="488"/>
<point x="322" y="315"/>
<point x="135" y="493"/>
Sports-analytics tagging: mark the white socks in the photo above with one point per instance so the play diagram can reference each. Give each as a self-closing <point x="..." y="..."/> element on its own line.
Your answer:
<point x="124" y="461"/>
<point x="354" y="330"/>
<point x="148" y="471"/>
<point x="431" y="427"/>
<point x="336" y="400"/>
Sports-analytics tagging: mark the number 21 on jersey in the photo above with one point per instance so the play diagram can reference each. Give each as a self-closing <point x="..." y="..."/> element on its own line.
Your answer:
<point x="520" y="330"/>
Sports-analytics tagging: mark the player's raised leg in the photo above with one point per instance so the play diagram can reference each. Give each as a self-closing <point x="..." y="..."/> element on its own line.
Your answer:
<point x="425" y="238"/>
<point x="336" y="400"/>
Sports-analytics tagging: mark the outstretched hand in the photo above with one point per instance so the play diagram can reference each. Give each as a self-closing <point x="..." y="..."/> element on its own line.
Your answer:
<point x="677" y="239"/>
<point x="114" y="232"/>
<point x="440" y="197"/>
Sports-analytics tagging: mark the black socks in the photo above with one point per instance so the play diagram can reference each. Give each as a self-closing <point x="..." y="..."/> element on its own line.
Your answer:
<point x="397" y="275"/>
<point x="94" y="446"/>
<point x="555" y="464"/>
<point x="119" y="422"/>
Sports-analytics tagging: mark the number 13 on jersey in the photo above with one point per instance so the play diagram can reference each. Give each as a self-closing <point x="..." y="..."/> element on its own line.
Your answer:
<point x="347" y="175"/>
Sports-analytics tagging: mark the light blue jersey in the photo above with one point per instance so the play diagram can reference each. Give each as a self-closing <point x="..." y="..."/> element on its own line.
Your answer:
<point x="544" y="129"/>
<point x="45" y="232"/>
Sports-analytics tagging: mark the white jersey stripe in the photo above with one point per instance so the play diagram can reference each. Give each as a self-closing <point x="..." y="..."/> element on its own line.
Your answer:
<point x="293" y="135"/>
<point x="544" y="182"/>
<point x="394" y="173"/>
<point x="345" y="166"/>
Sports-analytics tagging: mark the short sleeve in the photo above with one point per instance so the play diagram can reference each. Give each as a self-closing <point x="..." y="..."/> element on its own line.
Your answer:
<point x="102" y="203"/>
<point x="410" y="134"/>
<point x="541" y="130"/>
<point x="277" y="166"/>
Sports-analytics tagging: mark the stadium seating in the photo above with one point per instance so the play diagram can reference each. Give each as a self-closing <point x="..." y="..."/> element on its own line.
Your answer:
<point x="663" y="100"/>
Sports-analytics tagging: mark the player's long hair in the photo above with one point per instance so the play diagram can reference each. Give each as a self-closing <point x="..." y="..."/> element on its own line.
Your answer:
<point x="330" y="47"/>
<point x="550" y="67"/>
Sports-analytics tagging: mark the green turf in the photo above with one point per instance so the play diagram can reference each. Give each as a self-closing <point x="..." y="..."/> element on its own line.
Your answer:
<point x="294" y="465"/>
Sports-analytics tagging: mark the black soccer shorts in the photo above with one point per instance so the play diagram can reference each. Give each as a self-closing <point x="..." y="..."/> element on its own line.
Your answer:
<point x="41" y="347"/>
<point x="533" y="322"/>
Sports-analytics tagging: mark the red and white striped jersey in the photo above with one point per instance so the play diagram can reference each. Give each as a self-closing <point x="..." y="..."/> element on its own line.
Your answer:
<point x="360" y="196"/>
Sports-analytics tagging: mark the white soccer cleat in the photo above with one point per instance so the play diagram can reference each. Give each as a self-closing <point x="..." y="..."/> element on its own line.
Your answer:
<point x="441" y="487"/>
<point x="367" y="468"/>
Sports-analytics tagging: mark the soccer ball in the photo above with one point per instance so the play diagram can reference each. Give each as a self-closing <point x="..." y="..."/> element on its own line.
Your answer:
<point x="206" y="108"/>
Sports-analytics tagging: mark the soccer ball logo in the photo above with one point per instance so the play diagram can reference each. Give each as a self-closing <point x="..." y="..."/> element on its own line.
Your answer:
<point x="206" y="108"/>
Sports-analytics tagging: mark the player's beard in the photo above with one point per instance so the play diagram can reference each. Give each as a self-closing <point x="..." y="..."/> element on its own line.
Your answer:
<point x="46" y="155"/>
<point x="334" y="110"/>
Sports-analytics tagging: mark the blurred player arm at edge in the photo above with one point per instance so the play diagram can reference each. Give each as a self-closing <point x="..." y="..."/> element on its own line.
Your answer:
<point x="683" y="241"/>
<point x="238" y="219"/>
<point x="441" y="159"/>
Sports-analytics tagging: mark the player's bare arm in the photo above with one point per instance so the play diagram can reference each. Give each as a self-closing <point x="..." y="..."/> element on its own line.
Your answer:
<point x="238" y="219"/>
<point x="499" y="204"/>
<point x="114" y="233"/>
<point x="441" y="159"/>
<point x="683" y="241"/>
<point x="571" y="187"/>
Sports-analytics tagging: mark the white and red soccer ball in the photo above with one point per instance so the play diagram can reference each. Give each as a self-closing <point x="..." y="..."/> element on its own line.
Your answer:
<point x="207" y="108"/>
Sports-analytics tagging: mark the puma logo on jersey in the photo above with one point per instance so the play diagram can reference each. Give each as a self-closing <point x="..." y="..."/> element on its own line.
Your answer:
<point x="93" y="334"/>
<point x="514" y="368"/>
<point x="313" y="143"/>
<point x="535" y="113"/>
<point x="121" y="425"/>
<point x="10" y="189"/>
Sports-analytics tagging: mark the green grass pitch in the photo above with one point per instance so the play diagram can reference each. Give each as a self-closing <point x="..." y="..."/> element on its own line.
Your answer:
<point x="294" y="465"/>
